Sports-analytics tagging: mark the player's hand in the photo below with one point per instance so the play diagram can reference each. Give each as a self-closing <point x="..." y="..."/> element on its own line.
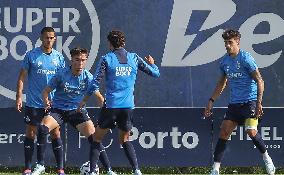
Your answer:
<point x="258" y="110"/>
<point x="47" y="105"/>
<point x="150" y="59"/>
<point x="81" y="106"/>
<point x="19" y="104"/>
<point x="208" y="109"/>
<point x="100" y="101"/>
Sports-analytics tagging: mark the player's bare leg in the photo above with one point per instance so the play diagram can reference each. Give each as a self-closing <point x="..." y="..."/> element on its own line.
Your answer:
<point x="87" y="128"/>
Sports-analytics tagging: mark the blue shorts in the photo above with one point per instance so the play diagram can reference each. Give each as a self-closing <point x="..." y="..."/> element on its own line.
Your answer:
<point x="72" y="116"/>
<point x="33" y="116"/>
<point x="239" y="112"/>
<point x="112" y="117"/>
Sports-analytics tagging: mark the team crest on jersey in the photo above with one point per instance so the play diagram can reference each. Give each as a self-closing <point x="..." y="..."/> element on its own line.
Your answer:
<point x="66" y="85"/>
<point x="238" y="65"/>
<point x="82" y="84"/>
<point x="39" y="63"/>
<point x="55" y="62"/>
<point x="227" y="68"/>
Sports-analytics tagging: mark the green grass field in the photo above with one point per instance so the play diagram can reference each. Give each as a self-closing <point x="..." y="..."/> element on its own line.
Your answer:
<point x="120" y="173"/>
<point x="158" y="171"/>
<point x="128" y="174"/>
<point x="102" y="174"/>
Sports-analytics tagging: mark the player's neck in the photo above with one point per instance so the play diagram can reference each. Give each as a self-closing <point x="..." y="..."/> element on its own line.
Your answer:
<point x="117" y="48"/>
<point x="46" y="50"/>
<point x="76" y="73"/>
<point x="234" y="54"/>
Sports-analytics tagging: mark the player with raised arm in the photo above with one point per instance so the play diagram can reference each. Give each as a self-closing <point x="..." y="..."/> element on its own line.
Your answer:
<point x="39" y="66"/>
<point x="240" y="72"/>
<point x="120" y="69"/>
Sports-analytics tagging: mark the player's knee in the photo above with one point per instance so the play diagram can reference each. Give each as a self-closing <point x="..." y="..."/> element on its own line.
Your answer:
<point x="55" y="134"/>
<point x="123" y="138"/>
<point x="43" y="130"/>
<point x="121" y="141"/>
<point x="96" y="137"/>
<point x="251" y="132"/>
<point x="31" y="135"/>
<point x="31" y="131"/>
<point x="91" y="138"/>
<point x="224" y="134"/>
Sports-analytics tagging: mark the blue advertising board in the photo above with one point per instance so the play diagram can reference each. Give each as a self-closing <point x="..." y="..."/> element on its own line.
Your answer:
<point x="161" y="137"/>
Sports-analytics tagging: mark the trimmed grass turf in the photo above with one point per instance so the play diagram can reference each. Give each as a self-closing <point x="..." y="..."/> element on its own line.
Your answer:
<point x="119" y="174"/>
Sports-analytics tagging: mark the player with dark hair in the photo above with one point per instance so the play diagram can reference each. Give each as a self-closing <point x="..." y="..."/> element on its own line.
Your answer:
<point x="120" y="68"/>
<point x="70" y="85"/>
<point x="39" y="65"/>
<point x="240" y="72"/>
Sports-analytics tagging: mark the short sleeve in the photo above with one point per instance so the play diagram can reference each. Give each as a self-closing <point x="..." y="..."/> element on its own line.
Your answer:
<point x="55" y="81"/>
<point x="26" y="62"/>
<point x="221" y="69"/>
<point x="249" y="63"/>
<point x="62" y="61"/>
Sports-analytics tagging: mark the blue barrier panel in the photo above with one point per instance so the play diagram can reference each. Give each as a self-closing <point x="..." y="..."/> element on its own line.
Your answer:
<point x="161" y="136"/>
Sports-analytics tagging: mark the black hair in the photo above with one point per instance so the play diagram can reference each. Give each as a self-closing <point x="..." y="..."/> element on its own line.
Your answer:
<point x="78" y="51"/>
<point x="230" y="33"/>
<point x="116" y="38"/>
<point x="47" y="29"/>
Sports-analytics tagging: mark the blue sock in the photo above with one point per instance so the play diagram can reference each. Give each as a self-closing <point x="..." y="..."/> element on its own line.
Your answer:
<point x="130" y="154"/>
<point x="104" y="158"/>
<point x="41" y="143"/>
<point x="103" y="155"/>
<point x="95" y="149"/>
<point x="259" y="143"/>
<point x="29" y="150"/>
<point x="220" y="149"/>
<point x="57" y="147"/>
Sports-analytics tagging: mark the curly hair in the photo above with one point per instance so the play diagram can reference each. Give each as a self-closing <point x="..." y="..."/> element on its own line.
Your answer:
<point x="78" y="51"/>
<point x="230" y="33"/>
<point x="116" y="38"/>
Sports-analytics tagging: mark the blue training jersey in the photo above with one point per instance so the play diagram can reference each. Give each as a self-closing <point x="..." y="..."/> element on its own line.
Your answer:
<point x="41" y="67"/>
<point x="238" y="72"/>
<point x="69" y="89"/>
<point x="120" y="68"/>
